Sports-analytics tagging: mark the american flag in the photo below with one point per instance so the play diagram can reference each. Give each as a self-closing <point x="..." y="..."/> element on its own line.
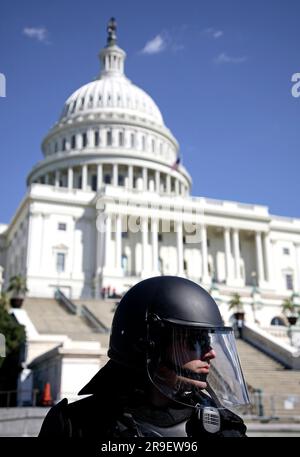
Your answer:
<point x="176" y="164"/>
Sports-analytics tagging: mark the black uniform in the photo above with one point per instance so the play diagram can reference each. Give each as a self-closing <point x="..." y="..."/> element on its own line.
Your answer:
<point x="117" y="409"/>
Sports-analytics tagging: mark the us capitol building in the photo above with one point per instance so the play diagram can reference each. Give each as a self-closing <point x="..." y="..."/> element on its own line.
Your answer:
<point x="111" y="154"/>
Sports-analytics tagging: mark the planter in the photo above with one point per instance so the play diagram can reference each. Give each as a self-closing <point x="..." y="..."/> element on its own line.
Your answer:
<point x="239" y="316"/>
<point x="292" y="320"/>
<point x="16" y="302"/>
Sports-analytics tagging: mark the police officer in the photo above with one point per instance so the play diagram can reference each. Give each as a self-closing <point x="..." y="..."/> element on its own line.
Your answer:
<point x="173" y="371"/>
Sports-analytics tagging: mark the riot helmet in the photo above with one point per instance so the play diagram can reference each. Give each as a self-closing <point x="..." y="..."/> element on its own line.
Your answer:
<point x="171" y="329"/>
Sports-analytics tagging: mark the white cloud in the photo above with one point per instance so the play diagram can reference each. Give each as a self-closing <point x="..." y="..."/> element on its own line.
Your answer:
<point x="218" y="33"/>
<point x="225" y="58"/>
<point x="154" y="46"/>
<point x="37" y="33"/>
<point x="213" y="33"/>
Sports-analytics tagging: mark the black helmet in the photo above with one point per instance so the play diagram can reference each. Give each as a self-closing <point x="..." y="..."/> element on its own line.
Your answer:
<point x="162" y="323"/>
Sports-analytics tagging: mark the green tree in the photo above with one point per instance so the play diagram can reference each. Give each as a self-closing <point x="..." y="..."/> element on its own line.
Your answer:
<point x="11" y="364"/>
<point x="13" y="332"/>
<point x="17" y="286"/>
<point x="236" y="303"/>
<point x="289" y="307"/>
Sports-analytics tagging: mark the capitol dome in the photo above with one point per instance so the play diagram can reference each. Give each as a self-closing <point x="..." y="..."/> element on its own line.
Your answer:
<point x="108" y="94"/>
<point x="112" y="125"/>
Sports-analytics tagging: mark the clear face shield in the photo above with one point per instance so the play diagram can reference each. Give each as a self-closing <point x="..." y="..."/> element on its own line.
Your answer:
<point x="189" y="361"/>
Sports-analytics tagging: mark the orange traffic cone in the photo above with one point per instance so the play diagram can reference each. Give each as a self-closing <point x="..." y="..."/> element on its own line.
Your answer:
<point x="46" y="395"/>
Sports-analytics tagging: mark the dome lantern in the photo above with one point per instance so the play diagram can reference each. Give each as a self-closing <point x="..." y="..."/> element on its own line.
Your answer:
<point x="112" y="57"/>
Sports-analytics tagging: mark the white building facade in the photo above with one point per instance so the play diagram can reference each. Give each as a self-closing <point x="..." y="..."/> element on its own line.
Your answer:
<point x="108" y="205"/>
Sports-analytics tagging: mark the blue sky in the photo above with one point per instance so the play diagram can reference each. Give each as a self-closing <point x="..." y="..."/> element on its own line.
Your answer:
<point x="220" y="71"/>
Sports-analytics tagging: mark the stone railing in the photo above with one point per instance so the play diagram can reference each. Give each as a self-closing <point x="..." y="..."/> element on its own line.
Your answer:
<point x="286" y="354"/>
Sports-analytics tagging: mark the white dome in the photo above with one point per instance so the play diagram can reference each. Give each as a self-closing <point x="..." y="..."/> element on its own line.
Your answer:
<point x="112" y="93"/>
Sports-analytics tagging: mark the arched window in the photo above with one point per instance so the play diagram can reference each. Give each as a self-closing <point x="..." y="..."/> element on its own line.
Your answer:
<point x="73" y="142"/>
<point x="121" y="139"/>
<point x="96" y="138"/>
<point x="143" y="143"/>
<point x="109" y="138"/>
<point x="277" y="320"/>
<point x="132" y="140"/>
<point x="124" y="263"/>
<point x="84" y="140"/>
<point x="153" y="145"/>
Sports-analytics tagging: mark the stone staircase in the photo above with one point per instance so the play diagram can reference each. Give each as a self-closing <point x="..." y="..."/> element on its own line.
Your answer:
<point x="280" y="386"/>
<point x="50" y="318"/>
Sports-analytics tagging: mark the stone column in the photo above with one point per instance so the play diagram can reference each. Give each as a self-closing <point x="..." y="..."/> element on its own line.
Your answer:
<point x="84" y="177"/>
<point x="57" y="178"/>
<point x="179" y="248"/>
<point x="168" y="185"/>
<point x="99" y="175"/>
<point x="268" y="258"/>
<point x="227" y="245"/>
<point x="259" y="257"/>
<point x="297" y="249"/>
<point x="130" y="176"/>
<point x="90" y="138"/>
<point x="70" y="178"/>
<point x="118" y="242"/>
<point x="102" y="137"/>
<point x="144" y="244"/>
<point x="115" y="174"/>
<point x="145" y="179"/>
<point x="154" y="235"/>
<point x="79" y="141"/>
<point x="236" y="249"/>
<point x="157" y="181"/>
<point x="108" y="242"/>
<point x="205" y="276"/>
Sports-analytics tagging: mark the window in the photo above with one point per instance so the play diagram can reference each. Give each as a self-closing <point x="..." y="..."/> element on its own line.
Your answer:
<point x="107" y="179"/>
<point x="153" y="146"/>
<point x="160" y="237"/>
<point x="84" y="140"/>
<point x="62" y="226"/>
<point x="160" y="265"/>
<point x="60" y="262"/>
<point x="286" y="251"/>
<point x="121" y="180"/>
<point x="124" y="234"/>
<point x="73" y="142"/>
<point x="109" y="138"/>
<point x="94" y="182"/>
<point x="132" y="140"/>
<point x="64" y="144"/>
<point x="121" y="139"/>
<point x="82" y="103"/>
<point x="73" y="107"/>
<point x="96" y="138"/>
<point x="55" y="147"/>
<point x="124" y="263"/>
<point x="289" y="281"/>
<point x="143" y="143"/>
